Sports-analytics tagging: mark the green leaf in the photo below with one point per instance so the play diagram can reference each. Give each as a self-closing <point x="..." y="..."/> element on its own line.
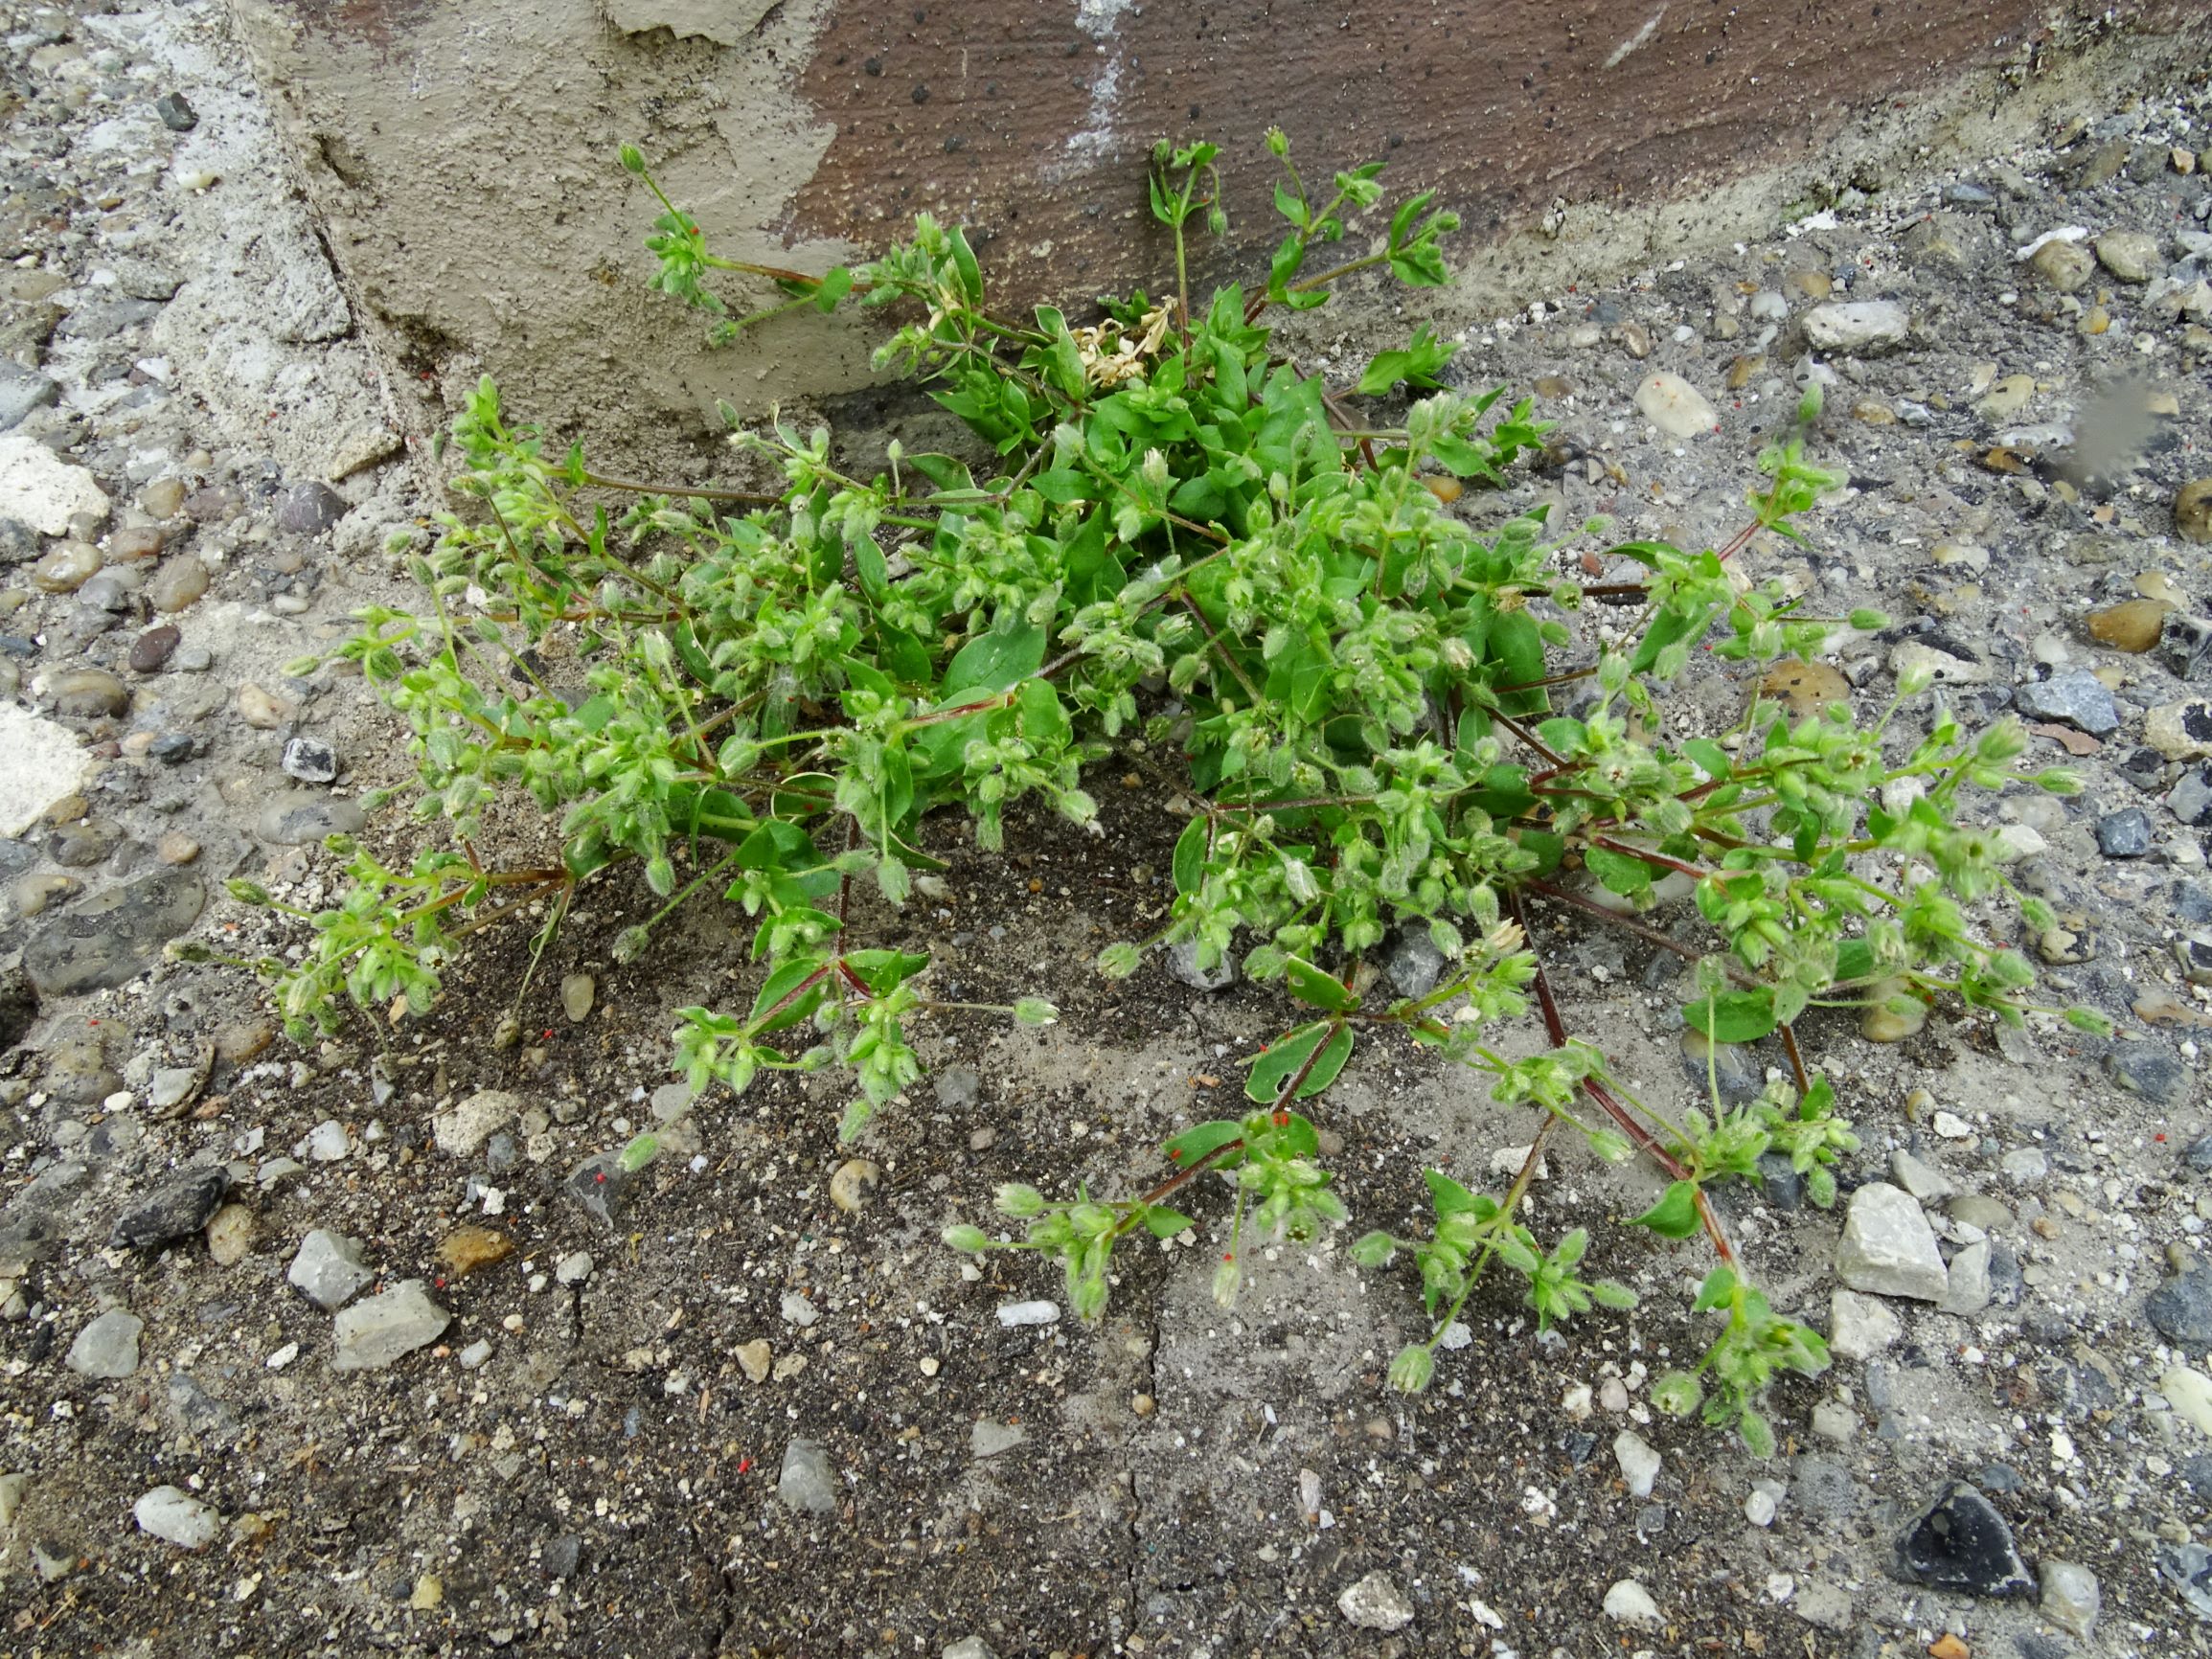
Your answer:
<point x="1309" y="984"/>
<point x="1162" y="1222"/>
<point x="1187" y="1149"/>
<point x="1740" y="1016"/>
<point x="1274" y="1069"/>
<point x="777" y="1006"/>
<point x="1675" y="1215"/>
<point x="1447" y="1196"/>
<point x="1517" y="647"/>
<point x="1189" y="864"/>
<point x="1619" y="873"/>
<point x="993" y="661"/>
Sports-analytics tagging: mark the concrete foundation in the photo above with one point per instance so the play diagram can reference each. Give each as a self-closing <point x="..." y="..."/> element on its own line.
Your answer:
<point x="462" y="157"/>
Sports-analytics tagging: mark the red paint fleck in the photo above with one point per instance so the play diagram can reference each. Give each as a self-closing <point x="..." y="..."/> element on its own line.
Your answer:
<point x="1281" y="1119"/>
<point x="1228" y="1256"/>
<point x="744" y="1465"/>
<point x="1175" y="1153"/>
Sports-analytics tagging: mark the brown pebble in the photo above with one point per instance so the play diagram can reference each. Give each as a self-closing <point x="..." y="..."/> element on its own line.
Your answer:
<point x="163" y="497"/>
<point x="2193" y="510"/>
<point x="127" y="545"/>
<point x="238" y="1044"/>
<point x="154" y="648"/>
<point x="2133" y="625"/>
<point x="1741" y="371"/>
<point x="466" y="1249"/>
<point x="176" y="847"/>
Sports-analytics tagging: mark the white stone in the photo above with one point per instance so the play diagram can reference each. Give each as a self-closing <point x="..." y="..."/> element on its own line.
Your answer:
<point x="575" y="1268"/>
<point x="969" y="1647"/>
<point x="176" y="1517"/>
<point x="1638" y="1460"/>
<point x="2189" y="1393"/>
<point x="1675" y="406"/>
<point x="372" y="1334"/>
<point x="1629" y="1603"/>
<point x="326" y="1142"/>
<point x="329" y="1269"/>
<point x="1013" y="1313"/>
<point x="39" y="488"/>
<point x="798" y="1311"/>
<point x="282" y="1356"/>
<point x="40" y="764"/>
<point x="1888" y="1248"/>
<point x="1968" y="1289"/>
<point x="465" y="1128"/>
<point x="1376" y="1603"/>
<point x="2071" y="1597"/>
<point x="1866" y="326"/>
<point x="1861" y="1327"/>
<point x="1952" y="1127"/>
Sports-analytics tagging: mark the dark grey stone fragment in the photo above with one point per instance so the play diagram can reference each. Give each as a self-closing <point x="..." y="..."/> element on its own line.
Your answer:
<point x="1960" y="1542"/>
<point x="178" y="1209"/>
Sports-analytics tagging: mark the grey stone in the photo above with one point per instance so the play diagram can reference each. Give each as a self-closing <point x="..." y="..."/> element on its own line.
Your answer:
<point x="807" y="1482"/>
<point x="21" y="391"/>
<point x="2185" y="645"/>
<point x="178" y="1209"/>
<point x="2075" y="697"/>
<point x="144" y="279"/>
<point x="1779" y="1182"/>
<point x="176" y="1517"/>
<point x="329" y="1269"/>
<point x="1922" y="1181"/>
<point x="114" y="937"/>
<point x="1960" y="1542"/>
<point x="372" y="1334"/>
<point x="1968" y="1291"/>
<point x="1865" y="326"/>
<point x="957" y="1086"/>
<point x="601" y="1187"/>
<point x="2125" y="833"/>
<point x="2026" y="1165"/>
<point x="1732" y="1071"/>
<point x="1861" y="1327"/>
<point x="2198" y="1155"/>
<point x="2071" y="1597"/>
<point x="198" y="1413"/>
<point x="1183" y="965"/>
<point x="2190" y="800"/>
<point x="108" y="1348"/>
<point x="311" y="760"/>
<point x="2181" y="1309"/>
<point x="1376" y="1603"/>
<point x="310" y="507"/>
<point x="1888" y="1248"/>
<point x="105" y="319"/>
<point x="1961" y="193"/>
<point x="462" y="1132"/>
<point x="176" y="111"/>
<point x="560" y="1558"/>
<point x="988" y="1438"/>
<point x="2188" y="1568"/>
<point x="2149" y="1069"/>
<point x="1412" y="962"/>
<point x="299" y="820"/>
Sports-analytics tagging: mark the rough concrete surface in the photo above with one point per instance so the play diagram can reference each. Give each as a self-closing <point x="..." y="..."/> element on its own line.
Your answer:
<point x="462" y="157"/>
<point x="740" y="1402"/>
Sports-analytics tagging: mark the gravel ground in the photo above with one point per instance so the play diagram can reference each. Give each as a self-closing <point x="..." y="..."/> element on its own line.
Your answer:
<point x="352" y="1350"/>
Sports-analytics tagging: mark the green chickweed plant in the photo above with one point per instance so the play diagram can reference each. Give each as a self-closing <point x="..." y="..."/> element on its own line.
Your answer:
<point x="1181" y="544"/>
